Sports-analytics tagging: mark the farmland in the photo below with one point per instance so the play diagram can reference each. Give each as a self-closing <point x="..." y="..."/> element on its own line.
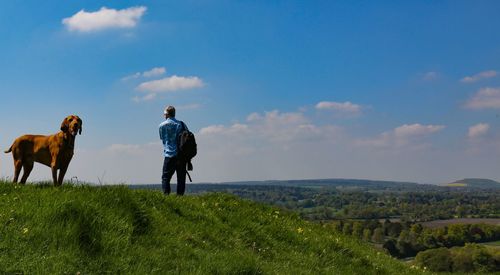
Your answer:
<point x="443" y="223"/>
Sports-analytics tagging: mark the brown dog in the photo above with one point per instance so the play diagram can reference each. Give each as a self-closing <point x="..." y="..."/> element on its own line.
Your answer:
<point x="54" y="151"/>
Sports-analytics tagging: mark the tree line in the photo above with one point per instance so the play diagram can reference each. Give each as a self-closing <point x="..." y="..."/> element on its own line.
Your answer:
<point x="467" y="259"/>
<point x="322" y="203"/>
<point x="406" y="239"/>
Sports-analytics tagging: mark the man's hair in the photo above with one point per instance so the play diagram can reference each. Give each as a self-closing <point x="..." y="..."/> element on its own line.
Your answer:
<point x="170" y="111"/>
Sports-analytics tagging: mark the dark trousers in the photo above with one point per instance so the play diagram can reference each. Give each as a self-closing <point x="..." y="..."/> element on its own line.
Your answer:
<point x="170" y="166"/>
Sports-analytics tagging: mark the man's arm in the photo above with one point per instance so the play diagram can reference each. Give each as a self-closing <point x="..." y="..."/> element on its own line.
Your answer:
<point x="161" y="133"/>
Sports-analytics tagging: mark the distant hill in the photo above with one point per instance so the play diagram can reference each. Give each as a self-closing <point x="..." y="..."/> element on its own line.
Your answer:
<point x="117" y="230"/>
<point x="327" y="182"/>
<point x="338" y="183"/>
<point x="475" y="183"/>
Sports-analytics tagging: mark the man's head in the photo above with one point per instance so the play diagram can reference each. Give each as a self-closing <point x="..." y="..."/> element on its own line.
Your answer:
<point x="169" y="112"/>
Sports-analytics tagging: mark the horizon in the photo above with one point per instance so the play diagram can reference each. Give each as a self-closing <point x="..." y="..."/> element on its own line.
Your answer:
<point x="273" y="91"/>
<point x="244" y="182"/>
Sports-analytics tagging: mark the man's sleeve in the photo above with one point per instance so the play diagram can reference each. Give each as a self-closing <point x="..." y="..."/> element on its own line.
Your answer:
<point x="161" y="136"/>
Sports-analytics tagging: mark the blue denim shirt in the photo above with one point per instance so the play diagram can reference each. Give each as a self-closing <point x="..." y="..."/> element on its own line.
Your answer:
<point x="170" y="130"/>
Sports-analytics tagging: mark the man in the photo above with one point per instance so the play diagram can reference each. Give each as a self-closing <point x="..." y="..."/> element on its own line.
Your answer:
<point x="170" y="130"/>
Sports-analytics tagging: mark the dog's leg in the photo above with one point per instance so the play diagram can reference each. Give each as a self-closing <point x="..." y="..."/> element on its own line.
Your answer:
<point x="27" y="167"/>
<point x="62" y="172"/>
<point x="54" y="174"/>
<point x="18" y="164"/>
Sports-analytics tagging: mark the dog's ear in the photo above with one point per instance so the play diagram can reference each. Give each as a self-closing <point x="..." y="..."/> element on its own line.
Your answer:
<point x="80" y="122"/>
<point x="65" y="125"/>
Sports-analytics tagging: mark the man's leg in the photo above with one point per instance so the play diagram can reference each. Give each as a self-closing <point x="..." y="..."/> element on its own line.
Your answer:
<point x="168" y="172"/>
<point x="181" y="178"/>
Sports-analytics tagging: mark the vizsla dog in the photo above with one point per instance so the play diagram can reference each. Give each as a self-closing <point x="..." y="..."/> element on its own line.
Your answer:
<point x="54" y="151"/>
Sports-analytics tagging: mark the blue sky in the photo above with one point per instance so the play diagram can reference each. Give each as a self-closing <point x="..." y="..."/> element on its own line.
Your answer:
<point x="273" y="89"/>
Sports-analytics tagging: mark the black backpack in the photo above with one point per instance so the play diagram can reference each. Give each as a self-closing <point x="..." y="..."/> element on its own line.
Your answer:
<point x="186" y="147"/>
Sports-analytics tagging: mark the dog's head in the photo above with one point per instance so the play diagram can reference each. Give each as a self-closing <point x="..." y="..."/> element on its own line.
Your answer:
<point x="72" y="124"/>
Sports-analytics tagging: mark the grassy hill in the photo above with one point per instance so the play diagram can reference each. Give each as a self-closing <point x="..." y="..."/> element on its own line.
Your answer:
<point x="475" y="183"/>
<point x="117" y="230"/>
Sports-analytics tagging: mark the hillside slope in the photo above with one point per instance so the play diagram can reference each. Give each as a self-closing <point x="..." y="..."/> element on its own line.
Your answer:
<point x="118" y="230"/>
<point x="475" y="183"/>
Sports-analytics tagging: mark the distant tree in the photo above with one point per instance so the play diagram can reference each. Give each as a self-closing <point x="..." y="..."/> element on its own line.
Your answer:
<point x="462" y="261"/>
<point x="328" y="212"/>
<point x="357" y="229"/>
<point x="476" y="232"/>
<point x="336" y="225"/>
<point x="460" y="211"/>
<point x="386" y="225"/>
<point x="394" y="229"/>
<point x="440" y="235"/>
<point x="468" y="259"/>
<point x="372" y="224"/>
<point x="416" y="228"/>
<point x="347" y="228"/>
<point x="367" y="234"/>
<point x="481" y="258"/>
<point x="390" y="247"/>
<point x="457" y="234"/>
<point x="378" y="235"/>
<point x="308" y="203"/>
<point x="427" y="239"/>
<point x="437" y="260"/>
<point x="404" y="244"/>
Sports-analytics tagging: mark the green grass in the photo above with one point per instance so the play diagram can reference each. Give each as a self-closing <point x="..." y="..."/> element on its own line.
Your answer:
<point x="497" y="243"/>
<point x="493" y="244"/>
<point x="117" y="230"/>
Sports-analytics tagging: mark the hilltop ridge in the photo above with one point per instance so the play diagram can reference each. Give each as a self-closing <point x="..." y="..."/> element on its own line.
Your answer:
<point x="475" y="183"/>
<point x="114" y="229"/>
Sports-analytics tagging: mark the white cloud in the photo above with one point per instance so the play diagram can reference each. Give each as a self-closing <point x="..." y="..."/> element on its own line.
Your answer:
<point x="234" y="129"/>
<point x="147" y="97"/>
<point x="276" y="117"/>
<point x="283" y="145"/>
<point x="157" y="71"/>
<point x="347" y="106"/>
<point x="154" y="72"/>
<point x="407" y="135"/>
<point x="478" y="76"/>
<point x="254" y="117"/>
<point x="415" y="130"/>
<point x="104" y="18"/>
<point x="429" y="76"/>
<point x="212" y="129"/>
<point x="170" y="84"/>
<point x="132" y="76"/>
<point x="289" y="129"/>
<point x="189" y="106"/>
<point x="478" y="130"/>
<point x="131" y="148"/>
<point x="485" y="98"/>
<point x="274" y="127"/>
<point x="268" y="145"/>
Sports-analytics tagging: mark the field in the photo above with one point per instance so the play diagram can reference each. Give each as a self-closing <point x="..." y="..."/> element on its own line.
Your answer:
<point x="442" y="223"/>
<point x="495" y="245"/>
<point x="456" y="185"/>
<point x="113" y="229"/>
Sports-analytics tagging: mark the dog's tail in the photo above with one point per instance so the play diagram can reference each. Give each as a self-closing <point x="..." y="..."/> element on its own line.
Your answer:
<point x="8" y="151"/>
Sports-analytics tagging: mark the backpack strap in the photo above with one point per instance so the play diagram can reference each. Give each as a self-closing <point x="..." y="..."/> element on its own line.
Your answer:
<point x="183" y="125"/>
<point x="189" y="162"/>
